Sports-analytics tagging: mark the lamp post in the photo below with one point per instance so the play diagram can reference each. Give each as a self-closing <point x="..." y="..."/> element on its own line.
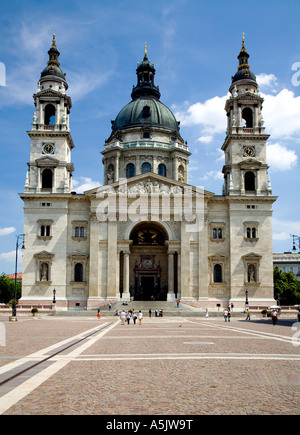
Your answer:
<point x="247" y="302"/>
<point x="20" y="240"/>
<point x="296" y="242"/>
<point x="54" y="300"/>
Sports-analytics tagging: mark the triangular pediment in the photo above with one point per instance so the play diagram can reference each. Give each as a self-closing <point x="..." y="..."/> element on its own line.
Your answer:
<point x="147" y="183"/>
<point x="252" y="256"/>
<point x="250" y="162"/>
<point x="48" y="93"/>
<point x="47" y="161"/>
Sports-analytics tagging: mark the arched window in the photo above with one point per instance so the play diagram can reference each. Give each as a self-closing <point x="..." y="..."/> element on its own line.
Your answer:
<point x="247" y="116"/>
<point x="78" y="272"/>
<point x="249" y="181"/>
<point x="130" y="170"/>
<point x="49" y="114"/>
<point x="217" y="273"/>
<point x="47" y="179"/>
<point x="162" y="170"/>
<point x="146" y="167"/>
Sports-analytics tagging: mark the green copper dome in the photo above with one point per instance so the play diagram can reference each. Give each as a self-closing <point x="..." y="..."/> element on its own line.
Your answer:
<point x="145" y="112"/>
<point x="145" y="109"/>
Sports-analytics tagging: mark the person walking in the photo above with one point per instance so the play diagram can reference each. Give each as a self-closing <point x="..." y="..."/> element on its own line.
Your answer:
<point x="274" y="317"/>
<point x="134" y="317"/>
<point x="140" y="317"/>
<point x="228" y="315"/>
<point x="225" y="314"/>
<point x="248" y="314"/>
<point x="206" y="313"/>
<point x="123" y="317"/>
<point x="150" y="312"/>
<point x="299" y="314"/>
<point x="128" y="317"/>
<point x="98" y="313"/>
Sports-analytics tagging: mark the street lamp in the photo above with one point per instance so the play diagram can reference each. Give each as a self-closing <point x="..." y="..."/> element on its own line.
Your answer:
<point x="295" y="242"/>
<point x="247" y="303"/>
<point x="54" y="300"/>
<point x="20" y="240"/>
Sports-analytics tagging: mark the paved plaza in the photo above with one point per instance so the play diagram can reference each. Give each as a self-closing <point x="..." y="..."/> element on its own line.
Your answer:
<point x="165" y="366"/>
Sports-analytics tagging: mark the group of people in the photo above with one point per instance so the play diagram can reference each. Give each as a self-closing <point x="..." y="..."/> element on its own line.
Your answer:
<point x="227" y="314"/>
<point x="131" y="314"/>
<point x="158" y="313"/>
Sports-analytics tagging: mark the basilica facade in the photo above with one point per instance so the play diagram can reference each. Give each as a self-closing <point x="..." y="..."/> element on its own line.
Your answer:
<point x="145" y="233"/>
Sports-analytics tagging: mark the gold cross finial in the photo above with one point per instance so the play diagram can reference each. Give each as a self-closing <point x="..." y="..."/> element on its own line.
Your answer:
<point x="243" y="42"/>
<point x="145" y="49"/>
<point x="53" y="40"/>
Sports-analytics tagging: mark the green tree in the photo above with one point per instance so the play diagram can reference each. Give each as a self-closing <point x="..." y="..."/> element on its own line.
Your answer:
<point x="7" y="289"/>
<point x="286" y="287"/>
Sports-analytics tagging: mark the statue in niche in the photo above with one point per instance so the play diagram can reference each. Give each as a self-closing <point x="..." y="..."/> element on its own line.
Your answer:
<point x="44" y="272"/>
<point x="110" y="177"/>
<point x="251" y="274"/>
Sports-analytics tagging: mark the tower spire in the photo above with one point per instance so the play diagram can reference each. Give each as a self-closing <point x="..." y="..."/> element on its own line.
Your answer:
<point x="53" y="40"/>
<point x="243" y="56"/>
<point x="145" y="79"/>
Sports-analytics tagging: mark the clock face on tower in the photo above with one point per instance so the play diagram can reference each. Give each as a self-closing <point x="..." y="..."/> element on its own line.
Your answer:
<point x="48" y="148"/>
<point x="248" y="152"/>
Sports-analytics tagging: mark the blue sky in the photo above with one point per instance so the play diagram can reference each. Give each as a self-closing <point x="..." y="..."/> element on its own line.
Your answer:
<point x="194" y="45"/>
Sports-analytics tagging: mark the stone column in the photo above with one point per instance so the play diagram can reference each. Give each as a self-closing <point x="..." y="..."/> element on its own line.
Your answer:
<point x="178" y="275"/>
<point x="137" y="165"/>
<point x="185" y="263"/>
<point x="117" y="168"/>
<point x="94" y="263"/>
<point x="112" y="275"/>
<point x="126" y="293"/>
<point x="203" y="261"/>
<point x="171" y="294"/>
<point x="242" y="182"/>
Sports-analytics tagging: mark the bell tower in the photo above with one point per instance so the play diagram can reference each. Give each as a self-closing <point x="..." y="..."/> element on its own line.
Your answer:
<point x="245" y="169"/>
<point x="50" y="168"/>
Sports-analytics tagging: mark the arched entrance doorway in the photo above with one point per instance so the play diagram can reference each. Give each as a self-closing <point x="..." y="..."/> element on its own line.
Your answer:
<point x="148" y="262"/>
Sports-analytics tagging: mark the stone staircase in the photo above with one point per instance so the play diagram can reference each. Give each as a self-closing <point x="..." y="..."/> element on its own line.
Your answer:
<point x="169" y="309"/>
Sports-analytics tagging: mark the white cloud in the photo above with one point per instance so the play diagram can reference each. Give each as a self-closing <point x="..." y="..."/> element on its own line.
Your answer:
<point x="84" y="183"/>
<point x="215" y="175"/>
<point x="205" y="139"/>
<point x="7" y="230"/>
<point x="81" y="84"/>
<point x="282" y="113"/>
<point x="267" y="81"/>
<point x="11" y="256"/>
<point x="280" y="158"/>
<point x="210" y="115"/>
<point x="282" y="230"/>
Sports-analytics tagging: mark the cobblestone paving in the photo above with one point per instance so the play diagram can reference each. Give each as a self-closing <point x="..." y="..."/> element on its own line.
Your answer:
<point x="166" y="366"/>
